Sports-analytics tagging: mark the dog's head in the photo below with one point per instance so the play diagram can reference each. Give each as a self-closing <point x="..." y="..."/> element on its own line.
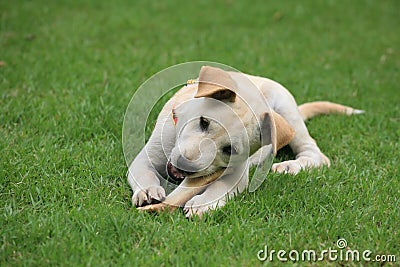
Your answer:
<point x="217" y="129"/>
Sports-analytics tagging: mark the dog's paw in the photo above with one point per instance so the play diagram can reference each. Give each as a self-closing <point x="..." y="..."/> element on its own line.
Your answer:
<point x="193" y="212"/>
<point x="197" y="206"/>
<point x="295" y="166"/>
<point x="149" y="195"/>
<point x="290" y="166"/>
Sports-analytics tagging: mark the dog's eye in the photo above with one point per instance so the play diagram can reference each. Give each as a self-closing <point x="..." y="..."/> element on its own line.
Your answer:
<point x="229" y="150"/>
<point x="204" y="123"/>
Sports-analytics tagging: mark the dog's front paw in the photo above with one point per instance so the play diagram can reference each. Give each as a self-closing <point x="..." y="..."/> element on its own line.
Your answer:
<point x="192" y="211"/>
<point x="149" y="195"/>
<point x="290" y="166"/>
<point x="198" y="206"/>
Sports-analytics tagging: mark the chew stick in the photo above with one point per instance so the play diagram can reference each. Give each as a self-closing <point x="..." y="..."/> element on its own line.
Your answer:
<point x="185" y="191"/>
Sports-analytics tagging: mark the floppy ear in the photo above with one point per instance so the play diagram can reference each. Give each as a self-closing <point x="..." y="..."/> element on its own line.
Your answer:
<point x="216" y="83"/>
<point x="275" y="130"/>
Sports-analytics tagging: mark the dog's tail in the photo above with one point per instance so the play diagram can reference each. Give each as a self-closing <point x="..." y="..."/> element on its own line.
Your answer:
<point x="309" y="110"/>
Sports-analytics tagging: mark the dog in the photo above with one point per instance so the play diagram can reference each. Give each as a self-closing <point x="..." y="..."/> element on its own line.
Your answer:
<point x="213" y="130"/>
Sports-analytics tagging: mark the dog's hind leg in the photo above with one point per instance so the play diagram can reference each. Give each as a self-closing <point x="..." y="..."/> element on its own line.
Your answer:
<point x="305" y="148"/>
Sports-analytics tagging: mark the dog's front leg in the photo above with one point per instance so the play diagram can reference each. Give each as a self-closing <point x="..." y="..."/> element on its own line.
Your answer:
<point x="217" y="193"/>
<point x="142" y="177"/>
<point x="149" y="165"/>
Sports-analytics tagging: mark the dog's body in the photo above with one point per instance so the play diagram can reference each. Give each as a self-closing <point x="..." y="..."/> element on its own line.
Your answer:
<point x="214" y="129"/>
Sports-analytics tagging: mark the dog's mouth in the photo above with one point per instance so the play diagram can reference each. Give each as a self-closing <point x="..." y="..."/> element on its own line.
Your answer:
<point x="174" y="173"/>
<point x="177" y="175"/>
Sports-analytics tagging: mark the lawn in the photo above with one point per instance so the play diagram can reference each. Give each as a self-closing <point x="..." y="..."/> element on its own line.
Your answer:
<point x="68" y="70"/>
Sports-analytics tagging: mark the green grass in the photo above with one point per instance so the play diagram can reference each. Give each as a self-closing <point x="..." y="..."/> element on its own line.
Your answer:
<point x="71" y="68"/>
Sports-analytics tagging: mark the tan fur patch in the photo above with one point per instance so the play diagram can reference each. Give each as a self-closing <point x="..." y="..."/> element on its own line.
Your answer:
<point x="284" y="132"/>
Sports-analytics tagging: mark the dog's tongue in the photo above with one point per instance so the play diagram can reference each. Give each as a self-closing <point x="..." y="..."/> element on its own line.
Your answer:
<point x="174" y="173"/>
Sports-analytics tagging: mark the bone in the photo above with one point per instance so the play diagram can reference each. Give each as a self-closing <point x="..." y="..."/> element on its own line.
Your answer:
<point x="185" y="191"/>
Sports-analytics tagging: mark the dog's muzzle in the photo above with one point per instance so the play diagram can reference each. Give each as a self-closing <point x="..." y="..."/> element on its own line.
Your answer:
<point x="177" y="174"/>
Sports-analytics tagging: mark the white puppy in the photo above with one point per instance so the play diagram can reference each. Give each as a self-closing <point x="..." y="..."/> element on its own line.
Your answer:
<point x="212" y="130"/>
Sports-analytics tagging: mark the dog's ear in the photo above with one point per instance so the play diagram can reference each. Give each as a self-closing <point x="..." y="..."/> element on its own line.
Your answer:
<point x="275" y="130"/>
<point x="216" y="83"/>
